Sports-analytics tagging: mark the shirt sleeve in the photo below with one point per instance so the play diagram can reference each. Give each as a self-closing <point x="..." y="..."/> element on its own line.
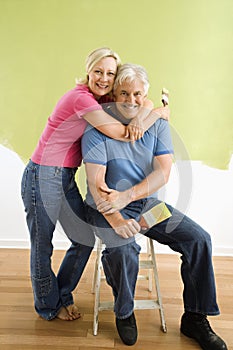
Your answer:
<point x="85" y="102"/>
<point x="93" y="147"/>
<point x="164" y="141"/>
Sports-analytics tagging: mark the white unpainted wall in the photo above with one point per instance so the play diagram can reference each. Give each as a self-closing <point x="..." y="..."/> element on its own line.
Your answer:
<point x="205" y="194"/>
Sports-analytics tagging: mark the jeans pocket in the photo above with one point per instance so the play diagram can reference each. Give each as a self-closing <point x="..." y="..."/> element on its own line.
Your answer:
<point x="49" y="186"/>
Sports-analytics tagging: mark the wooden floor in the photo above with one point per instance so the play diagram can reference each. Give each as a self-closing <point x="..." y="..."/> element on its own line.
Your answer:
<point x="21" y="328"/>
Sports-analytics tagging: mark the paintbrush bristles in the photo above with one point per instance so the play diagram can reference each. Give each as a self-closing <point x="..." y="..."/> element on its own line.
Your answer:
<point x="165" y="91"/>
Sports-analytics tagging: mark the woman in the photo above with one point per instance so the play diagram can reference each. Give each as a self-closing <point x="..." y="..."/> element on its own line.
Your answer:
<point x="49" y="190"/>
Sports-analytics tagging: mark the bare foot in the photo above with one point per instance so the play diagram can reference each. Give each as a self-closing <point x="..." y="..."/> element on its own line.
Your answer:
<point x="64" y="315"/>
<point x="73" y="312"/>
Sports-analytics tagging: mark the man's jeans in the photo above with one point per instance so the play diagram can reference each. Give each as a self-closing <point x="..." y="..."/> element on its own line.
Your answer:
<point x="51" y="194"/>
<point x="181" y="234"/>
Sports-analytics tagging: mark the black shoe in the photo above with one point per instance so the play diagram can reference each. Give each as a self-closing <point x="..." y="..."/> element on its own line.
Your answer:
<point x="196" y="326"/>
<point x="127" y="329"/>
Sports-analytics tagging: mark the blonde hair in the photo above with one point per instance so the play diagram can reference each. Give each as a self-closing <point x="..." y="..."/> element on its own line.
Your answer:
<point x="130" y="72"/>
<point x="94" y="57"/>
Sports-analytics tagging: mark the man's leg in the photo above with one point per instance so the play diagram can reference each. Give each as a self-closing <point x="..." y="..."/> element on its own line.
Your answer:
<point x="183" y="235"/>
<point x="121" y="269"/>
<point x="120" y="261"/>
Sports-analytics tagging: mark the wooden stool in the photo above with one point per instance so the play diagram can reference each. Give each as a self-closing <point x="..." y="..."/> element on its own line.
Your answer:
<point x="150" y="265"/>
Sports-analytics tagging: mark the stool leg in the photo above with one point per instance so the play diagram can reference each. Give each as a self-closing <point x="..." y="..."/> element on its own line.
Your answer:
<point x="150" y="281"/>
<point x="95" y="272"/>
<point x="96" y="284"/>
<point x="162" y="318"/>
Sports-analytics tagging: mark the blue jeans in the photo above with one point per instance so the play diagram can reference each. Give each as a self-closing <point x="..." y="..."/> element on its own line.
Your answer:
<point x="51" y="194"/>
<point x="181" y="234"/>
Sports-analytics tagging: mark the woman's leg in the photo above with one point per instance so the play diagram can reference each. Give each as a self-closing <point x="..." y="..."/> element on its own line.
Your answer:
<point x="42" y="205"/>
<point x="73" y="220"/>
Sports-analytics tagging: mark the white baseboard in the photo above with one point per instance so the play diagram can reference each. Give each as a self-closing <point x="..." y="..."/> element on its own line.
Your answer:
<point x="64" y="244"/>
<point x="222" y="251"/>
<point x="17" y="244"/>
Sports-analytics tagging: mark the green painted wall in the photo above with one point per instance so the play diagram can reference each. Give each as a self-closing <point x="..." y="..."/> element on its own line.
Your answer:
<point x="185" y="45"/>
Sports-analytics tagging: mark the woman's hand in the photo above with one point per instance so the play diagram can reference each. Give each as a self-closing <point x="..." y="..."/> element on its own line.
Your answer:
<point x="112" y="200"/>
<point x="137" y="126"/>
<point x="135" y="129"/>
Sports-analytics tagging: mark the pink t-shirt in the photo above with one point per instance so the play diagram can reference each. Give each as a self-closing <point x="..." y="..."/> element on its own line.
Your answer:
<point x="60" y="142"/>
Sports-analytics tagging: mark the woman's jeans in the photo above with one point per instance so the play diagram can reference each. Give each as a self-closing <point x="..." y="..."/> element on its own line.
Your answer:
<point x="181" y="234"/>
<point x="50" y="194"/>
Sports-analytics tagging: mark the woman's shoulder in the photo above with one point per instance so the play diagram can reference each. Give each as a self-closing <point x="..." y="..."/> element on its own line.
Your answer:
<point x="82" y="88"/>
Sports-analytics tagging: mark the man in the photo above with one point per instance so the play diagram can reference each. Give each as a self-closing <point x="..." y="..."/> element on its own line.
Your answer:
<point x="123" y="179"/>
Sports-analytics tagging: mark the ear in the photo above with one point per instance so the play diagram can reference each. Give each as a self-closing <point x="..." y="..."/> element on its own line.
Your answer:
<point x="145" y="98"/>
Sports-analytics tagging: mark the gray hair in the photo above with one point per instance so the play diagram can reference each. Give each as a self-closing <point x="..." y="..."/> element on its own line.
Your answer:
<point x="95" y="56"/>
<point x="129" y="72"/>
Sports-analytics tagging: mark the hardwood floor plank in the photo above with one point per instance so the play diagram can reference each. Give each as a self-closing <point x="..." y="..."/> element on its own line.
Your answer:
<point x="22" y="329"/>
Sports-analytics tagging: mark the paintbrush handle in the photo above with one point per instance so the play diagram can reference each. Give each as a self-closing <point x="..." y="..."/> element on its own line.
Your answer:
<point x="165" y="97"/>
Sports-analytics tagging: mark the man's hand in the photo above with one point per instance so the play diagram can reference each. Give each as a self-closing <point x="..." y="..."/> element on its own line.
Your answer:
<point x="112" y="200"/>
<point x="127" y="228"/>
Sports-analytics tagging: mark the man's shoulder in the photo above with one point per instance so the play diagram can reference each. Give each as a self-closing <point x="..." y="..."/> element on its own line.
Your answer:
<point x="91" y="130"/>
<point x="93" y="135"/>
<point x="93" y="146"/>
<point x="161" y="122"/>
<point x="158" y="125"/>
